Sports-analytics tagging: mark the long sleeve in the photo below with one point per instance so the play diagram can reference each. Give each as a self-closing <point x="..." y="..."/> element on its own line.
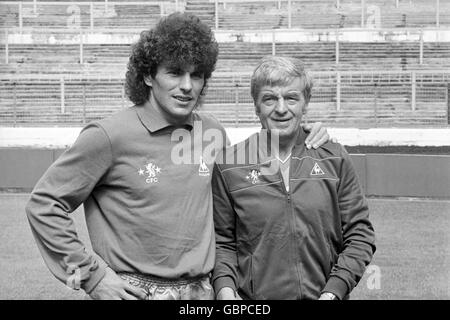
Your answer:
<point x="65" y="186"/>
<point x="358" y="233"/>
<point x="225" y="270"/>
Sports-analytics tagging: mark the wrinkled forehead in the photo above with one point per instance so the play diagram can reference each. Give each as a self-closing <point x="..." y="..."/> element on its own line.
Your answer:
<point x="279" y="85"/>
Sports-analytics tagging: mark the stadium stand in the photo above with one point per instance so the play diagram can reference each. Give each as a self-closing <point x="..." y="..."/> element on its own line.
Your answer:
<point x="365" y="99"/>
<point x="39" y="101"/>
<point x="237" y="56"/>
<point x="321" y="55"/>
<point x="205" y="10"/>
<point x="68" y="54"/>
<point x="52" y="77"/>
<point x="318" y="14"/>
<point x="230" y="14"/>
<point x="85" y="15"/>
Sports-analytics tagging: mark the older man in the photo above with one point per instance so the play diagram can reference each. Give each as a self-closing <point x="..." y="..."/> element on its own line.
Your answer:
<point x="291" y="222"/>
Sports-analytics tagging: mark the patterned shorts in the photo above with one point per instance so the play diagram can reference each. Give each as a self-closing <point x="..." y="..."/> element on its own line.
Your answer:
<point x="164" y="289"/>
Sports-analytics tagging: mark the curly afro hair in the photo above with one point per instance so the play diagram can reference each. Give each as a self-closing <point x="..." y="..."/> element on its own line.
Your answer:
<point x="179" y="39"/>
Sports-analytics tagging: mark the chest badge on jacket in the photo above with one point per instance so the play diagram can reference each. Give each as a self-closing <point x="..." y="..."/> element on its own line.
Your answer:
<point x="317" y="170"/>
<point x="151" y="171"/>
<point x="253" y="176"/>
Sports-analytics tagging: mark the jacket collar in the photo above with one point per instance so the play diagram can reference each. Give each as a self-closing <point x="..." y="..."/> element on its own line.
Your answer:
<point x="264" y="145"/>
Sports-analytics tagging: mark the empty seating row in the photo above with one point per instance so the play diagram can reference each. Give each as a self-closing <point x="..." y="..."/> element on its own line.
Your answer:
<point x="81" y="15"/>
<point x="231" y="14"/>
<point x="325" y="14"/>
<point x="238" y="56"/>
<point x="359" y="99"/>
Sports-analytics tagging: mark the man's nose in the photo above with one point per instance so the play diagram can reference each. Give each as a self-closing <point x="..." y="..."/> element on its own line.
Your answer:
<point x="186" y="82"/>
<point x="281" y="106"/>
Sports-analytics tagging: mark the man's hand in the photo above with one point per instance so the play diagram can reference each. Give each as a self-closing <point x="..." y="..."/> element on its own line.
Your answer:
<point x="227" y="293"/>
<point x="113" y="287"/>
<point x="317" y="136"/>
<point x="327" y="296"/>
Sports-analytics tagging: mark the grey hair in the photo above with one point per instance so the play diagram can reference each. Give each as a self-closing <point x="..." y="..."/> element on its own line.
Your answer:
<point x="279" y="71"/>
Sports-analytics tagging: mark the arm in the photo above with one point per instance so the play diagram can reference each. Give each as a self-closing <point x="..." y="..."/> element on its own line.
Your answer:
<point x="65" y="185"/>
<point x="225" y="269"/>
<point x="357" y="231"/>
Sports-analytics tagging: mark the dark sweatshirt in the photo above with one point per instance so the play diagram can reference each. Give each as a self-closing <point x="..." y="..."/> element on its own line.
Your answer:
<point x="145" y="213"/>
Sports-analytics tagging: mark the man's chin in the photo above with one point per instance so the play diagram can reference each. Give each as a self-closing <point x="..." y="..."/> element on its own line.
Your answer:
<point x="183" y="112"/>
<point x="283" y="134"/>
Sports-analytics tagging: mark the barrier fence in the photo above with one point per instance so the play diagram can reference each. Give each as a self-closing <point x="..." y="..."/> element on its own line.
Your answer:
<point x="83" y="14"/>
<point x="374" y="98"/>
<point x="275" y="14"/>
<point x="418" y="45"/>
<point x="339" y="13"/>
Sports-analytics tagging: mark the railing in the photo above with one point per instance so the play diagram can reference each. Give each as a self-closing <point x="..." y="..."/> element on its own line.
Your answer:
<point x="72" y="12"/>
<point x="376" y="97"/>
<point x="338" y="38"/>
<point x="76" y="14"/>
<point x="369" y="11"/>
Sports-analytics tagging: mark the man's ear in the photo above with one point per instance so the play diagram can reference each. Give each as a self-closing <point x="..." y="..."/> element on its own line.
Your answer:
<point x="204" y="89"/>
<point x="148" y="81"/>
<point x="256" y="109"/>
<point x="305" y="109"/>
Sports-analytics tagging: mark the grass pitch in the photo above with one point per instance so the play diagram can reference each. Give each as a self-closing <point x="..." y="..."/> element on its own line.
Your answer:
<point x="412" y="259"/>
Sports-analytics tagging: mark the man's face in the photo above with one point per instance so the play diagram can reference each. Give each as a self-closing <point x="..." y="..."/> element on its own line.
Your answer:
<point x="175" y="91"/>
<point x="280" y="108"/>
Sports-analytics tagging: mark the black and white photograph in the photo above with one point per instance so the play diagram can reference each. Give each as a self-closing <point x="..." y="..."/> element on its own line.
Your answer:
<point x="235" y="150"/>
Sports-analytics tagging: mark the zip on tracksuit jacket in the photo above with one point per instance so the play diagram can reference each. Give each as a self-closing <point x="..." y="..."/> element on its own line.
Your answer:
<point x="277" y="244"/>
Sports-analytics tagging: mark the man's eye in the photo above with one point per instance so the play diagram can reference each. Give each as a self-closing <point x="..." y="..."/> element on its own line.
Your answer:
<point x="269" y="101"/>
<point x="292" y="95"/>
<point x="174" y="72"/>
<point x="197" y="75"/>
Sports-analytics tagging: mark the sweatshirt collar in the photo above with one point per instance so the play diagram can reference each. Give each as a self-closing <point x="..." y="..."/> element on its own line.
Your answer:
<point x="154" y="120"/>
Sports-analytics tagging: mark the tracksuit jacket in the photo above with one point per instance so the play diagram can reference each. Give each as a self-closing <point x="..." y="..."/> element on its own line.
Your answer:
<point x="277" y="244"/>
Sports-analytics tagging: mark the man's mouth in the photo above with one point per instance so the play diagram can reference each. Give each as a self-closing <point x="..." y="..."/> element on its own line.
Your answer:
<point x="281" y="120"/>
<point x="182" y="98"/>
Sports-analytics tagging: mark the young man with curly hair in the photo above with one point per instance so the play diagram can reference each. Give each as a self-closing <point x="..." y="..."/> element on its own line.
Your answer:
<point x="149" y="219"/>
